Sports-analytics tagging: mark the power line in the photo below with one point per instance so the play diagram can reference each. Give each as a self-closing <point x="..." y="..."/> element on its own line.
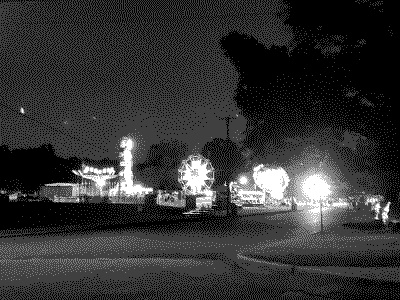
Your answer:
<point x="53" y="128"/>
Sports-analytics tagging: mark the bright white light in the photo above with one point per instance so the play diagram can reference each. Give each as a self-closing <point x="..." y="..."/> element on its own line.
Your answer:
<point x="316" y="187"/>
<point x="101" y="182"/>
<point x="126" y="164"/>
<point x="208" y="193"/>
<point x="22" y="110"/>
<point x="86" y="169"/>
<point x="272" y="180"/>
<point x="243" y="180"/>
<point x="196" y="174"/>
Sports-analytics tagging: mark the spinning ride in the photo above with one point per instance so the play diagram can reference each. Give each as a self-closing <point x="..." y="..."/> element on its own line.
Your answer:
<point x="196" y="174"/>
<point x="99" y="176"/>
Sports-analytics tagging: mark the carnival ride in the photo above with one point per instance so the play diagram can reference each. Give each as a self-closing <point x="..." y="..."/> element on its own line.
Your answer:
<point x="98" y="176"/>
<point x="196" y="175"/>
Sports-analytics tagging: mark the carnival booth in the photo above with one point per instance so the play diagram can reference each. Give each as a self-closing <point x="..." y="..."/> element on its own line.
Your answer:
<point x="171" y="198"/>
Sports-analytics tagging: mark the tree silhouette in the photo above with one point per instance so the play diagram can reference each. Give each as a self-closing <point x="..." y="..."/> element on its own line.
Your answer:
<point x="160" y="169"/>
<point x="226" y="158"/>
<point x="322" y="81"/>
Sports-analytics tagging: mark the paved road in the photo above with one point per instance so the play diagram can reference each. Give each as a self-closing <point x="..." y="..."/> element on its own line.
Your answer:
<point x="196" y="257"/>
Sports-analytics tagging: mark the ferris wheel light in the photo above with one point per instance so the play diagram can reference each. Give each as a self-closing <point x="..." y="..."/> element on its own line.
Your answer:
<point x="196" y="174"/>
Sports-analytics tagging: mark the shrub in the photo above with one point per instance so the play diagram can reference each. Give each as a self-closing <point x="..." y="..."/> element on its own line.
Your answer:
<point x="190" y="202"/>
<point x="150" y="200"/>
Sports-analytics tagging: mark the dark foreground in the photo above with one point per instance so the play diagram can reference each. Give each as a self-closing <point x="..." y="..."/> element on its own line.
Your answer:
<point x="189" y="260"/>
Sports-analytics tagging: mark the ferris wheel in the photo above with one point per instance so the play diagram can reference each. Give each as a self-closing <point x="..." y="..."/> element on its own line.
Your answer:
<point x="196" y="174"/>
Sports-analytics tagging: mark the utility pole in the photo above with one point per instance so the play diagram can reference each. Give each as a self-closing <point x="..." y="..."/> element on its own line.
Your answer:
<point x="320" y="199"/>
<point x="228" y="177"/>
<point x="119" y="189"/>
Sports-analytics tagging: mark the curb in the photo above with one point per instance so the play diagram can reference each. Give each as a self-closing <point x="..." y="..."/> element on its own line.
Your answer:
<point x="372" y="273"/>
<point x="378" y="273"/>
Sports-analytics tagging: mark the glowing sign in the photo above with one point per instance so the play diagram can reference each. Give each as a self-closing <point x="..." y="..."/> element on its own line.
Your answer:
<point x="253" y="197"/>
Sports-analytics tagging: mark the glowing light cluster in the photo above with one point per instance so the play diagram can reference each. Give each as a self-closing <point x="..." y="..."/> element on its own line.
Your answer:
<point x="243" y="180"/>
<point x="196" y="174"/>
<point x="272" y="180"/>
<point x="99" y="176"/>
<point x="88" y="170"/>
<point x="126" y="164"/>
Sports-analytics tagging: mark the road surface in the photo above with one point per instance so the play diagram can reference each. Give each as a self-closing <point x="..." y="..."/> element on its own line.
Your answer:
<point x="189" y="260"/>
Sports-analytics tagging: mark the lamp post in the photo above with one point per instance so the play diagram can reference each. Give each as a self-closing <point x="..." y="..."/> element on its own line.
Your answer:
<point x="320" y="199"/>
<point x="320" y="205"/>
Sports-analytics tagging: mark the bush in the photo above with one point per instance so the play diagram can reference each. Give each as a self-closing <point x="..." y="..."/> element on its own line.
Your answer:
<point x="150" y="200"/>
<point x="190" y="202"/>
<point x="106" y="200"/>
<point x="232" y="209"/>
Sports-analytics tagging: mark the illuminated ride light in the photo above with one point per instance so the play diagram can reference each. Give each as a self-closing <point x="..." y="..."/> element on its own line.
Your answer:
<point x="271" y="180"/>
<point x="196" y="174"/>
<point x="96" y="175"/>
<point x="126" y="165"/>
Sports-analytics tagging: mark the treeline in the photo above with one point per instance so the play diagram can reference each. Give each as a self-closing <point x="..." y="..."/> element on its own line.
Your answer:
<point x="28" y="169"/>
<point x="163" y="160"/>
<point x="331" y="84"/>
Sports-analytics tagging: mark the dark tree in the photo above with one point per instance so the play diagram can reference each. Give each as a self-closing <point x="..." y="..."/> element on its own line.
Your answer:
<point x="160" y="169"/>
<point x="322" y="86"/>
<point x="226" y="158"/>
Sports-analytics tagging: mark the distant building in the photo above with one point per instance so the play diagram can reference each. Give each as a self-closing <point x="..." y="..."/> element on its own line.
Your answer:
<point x="61" y="192"/>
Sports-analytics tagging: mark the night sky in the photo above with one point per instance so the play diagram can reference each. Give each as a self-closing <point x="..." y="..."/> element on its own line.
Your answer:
<point x="99" y="73"/>
<point x="304" y="85"/>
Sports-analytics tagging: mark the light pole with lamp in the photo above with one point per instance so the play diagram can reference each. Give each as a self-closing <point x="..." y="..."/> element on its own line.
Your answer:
<point x="317" y="188"/>
<point x="320" y="200"/>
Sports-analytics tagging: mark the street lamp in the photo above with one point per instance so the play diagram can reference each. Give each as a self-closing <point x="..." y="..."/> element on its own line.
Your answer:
<point x="317" y="188"/>
<point x="243" y="180"/>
